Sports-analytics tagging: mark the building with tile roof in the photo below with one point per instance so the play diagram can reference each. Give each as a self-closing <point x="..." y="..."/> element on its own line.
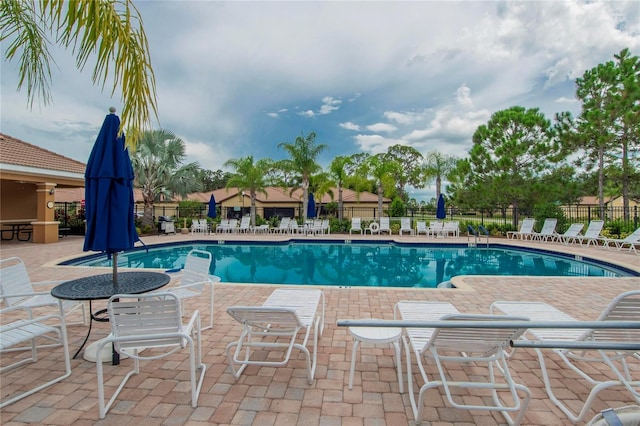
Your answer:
<point x="29" y="178"/>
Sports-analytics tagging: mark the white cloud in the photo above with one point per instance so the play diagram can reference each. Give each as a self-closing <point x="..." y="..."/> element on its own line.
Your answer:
<point x="463" y="96"/>
<point x="403" y="117"/>
<point x="565" y="100"/>
<point x="329" y="105"/>
<point x="382" y="127"/>
<point x="273" y="114"/>
<point x="350" y="126"/>
<point x="375" y="144"/>
<point x="307" y="113"/>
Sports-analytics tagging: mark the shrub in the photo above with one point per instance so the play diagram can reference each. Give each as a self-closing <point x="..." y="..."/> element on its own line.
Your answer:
<point x="549" y="210"/>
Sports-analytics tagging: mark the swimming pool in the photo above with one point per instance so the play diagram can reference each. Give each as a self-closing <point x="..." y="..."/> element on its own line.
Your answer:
<point x="383" y="264"/>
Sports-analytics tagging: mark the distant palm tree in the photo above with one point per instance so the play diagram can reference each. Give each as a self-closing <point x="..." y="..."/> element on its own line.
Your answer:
<point x="438" y="166"/>
<point x="303" y="152"/>
<point x="109" y="32"/>
<point x="158" y="168"/>
<point x="249" y="177"/>
<point x="338" y="172"/>
<point x="321" y="184"/>
<point x="382" y="171"/>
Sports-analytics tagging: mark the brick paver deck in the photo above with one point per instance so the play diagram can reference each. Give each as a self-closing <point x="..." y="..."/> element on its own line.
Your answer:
<point x="282" y="396"/>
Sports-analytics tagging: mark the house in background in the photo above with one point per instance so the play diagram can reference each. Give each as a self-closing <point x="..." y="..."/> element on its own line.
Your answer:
<point x="280" y="202"/>
<point x="29" y="179"/>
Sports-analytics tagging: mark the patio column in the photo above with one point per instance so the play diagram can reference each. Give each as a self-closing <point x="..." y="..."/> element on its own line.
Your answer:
<point x="45" y="228"/>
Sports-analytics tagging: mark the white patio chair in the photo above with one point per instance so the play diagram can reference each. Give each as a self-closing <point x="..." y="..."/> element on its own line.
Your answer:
<point x="457" y="347"/>
<point x="624" y="307"/>
<point x="145" y="321"/>
<point x="16" y="289"/>
<point x="592" y="234"/>
<point x="283" y="315"/>
<point x="15" y="331"/>
<point x="421" y="228"/>
<point x="384" y="225"/>
<point x="405" y="226"/>
<point x="356" y="225"/>
<point x="570" y="234"/>
<point x="547" y="232"/>
<point x="194" y="279"/>
<point x="631" y="241"/>
<point x="526" y="229"/>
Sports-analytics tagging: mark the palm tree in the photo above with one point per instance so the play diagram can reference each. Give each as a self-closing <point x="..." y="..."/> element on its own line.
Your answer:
<point x="158" y="168"/>
<point x="321" y="184"/>
<point x="303" y="152"/>
<point x="382" y="171"/>
<point x="438" y="166"/>
<point x="338" y="171"/>
<point x="109" y="31"/>
<point x="249" y="177"/>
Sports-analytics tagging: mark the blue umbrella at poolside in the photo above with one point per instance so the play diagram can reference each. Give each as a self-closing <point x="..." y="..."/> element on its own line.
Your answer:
<point x="311" y="207"/>
<point x="109" y="194"/>
<point x="440" y="211"/>
<point x="212" y="207"/>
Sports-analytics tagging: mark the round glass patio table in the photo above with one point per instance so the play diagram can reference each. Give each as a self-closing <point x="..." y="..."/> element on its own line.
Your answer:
<point x="100" y="287"/>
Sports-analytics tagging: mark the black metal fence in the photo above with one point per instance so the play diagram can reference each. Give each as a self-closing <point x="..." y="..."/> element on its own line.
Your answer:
<point x="71" y="215"/>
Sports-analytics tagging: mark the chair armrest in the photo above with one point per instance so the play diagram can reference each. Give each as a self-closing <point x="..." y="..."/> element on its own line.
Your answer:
<point x="193" y="321"/>
<point x="41" y="283"/>
<point x="35" y="293"/>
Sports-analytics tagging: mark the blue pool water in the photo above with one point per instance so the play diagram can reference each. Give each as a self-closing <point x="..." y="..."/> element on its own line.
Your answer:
<point x="374" y="265"/>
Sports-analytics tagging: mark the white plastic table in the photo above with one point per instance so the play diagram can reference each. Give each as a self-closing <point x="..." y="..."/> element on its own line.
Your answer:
<point x="376" y="335"/>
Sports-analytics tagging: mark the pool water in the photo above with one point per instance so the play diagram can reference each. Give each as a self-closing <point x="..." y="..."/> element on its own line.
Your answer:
<point x="372" y="265"/>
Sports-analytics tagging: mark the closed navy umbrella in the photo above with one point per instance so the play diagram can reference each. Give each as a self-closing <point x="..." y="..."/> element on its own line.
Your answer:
<point x="311" y="207"/>
<point x="212" y="207"/>
<point x="441" y="213"/>
<point x="109" y="194"/>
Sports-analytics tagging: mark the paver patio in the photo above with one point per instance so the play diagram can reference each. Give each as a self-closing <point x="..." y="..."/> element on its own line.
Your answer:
<point x="281" y="396"/>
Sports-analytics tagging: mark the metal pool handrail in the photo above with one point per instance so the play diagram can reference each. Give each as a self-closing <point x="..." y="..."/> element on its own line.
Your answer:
<point x="556" y="344"/>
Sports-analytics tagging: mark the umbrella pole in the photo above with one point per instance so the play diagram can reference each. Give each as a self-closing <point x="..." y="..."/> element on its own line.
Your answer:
<point x="115" y="268"/>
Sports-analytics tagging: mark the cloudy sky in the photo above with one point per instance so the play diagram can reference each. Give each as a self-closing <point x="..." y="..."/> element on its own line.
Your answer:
<point x="237" y="78"/>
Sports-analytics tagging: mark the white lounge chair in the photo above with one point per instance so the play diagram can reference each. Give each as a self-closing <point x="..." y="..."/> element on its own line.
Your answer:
<point x="451" y="228"/>
<point x="283" y="227"/>
<point x="15" y="332"/>
<point x="592" y="234"/>
<point x="17" y="290"/>
<point x="326" y="229"/>
<point x="625" y="307"/>
<point x="222" y="226"/>
<point x="152" y="323"/>
<point x="245" y="225"/>
<point x="193" y="279"/>
<point x="384" y="225"/>
<point x="405" y="226"/>
<point x="548" y="230"/>
<point x="356" y="225"/>
<point x="631" y="241"/>
<point x="421" y="228"/>
<point x="283" y="315"/>
<point x="526" y="229"/>
<point x="465" y="346"/>
<point x="570" y="234"/>
<point x="435" y="228"/>
<point x="199" y="226"/>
